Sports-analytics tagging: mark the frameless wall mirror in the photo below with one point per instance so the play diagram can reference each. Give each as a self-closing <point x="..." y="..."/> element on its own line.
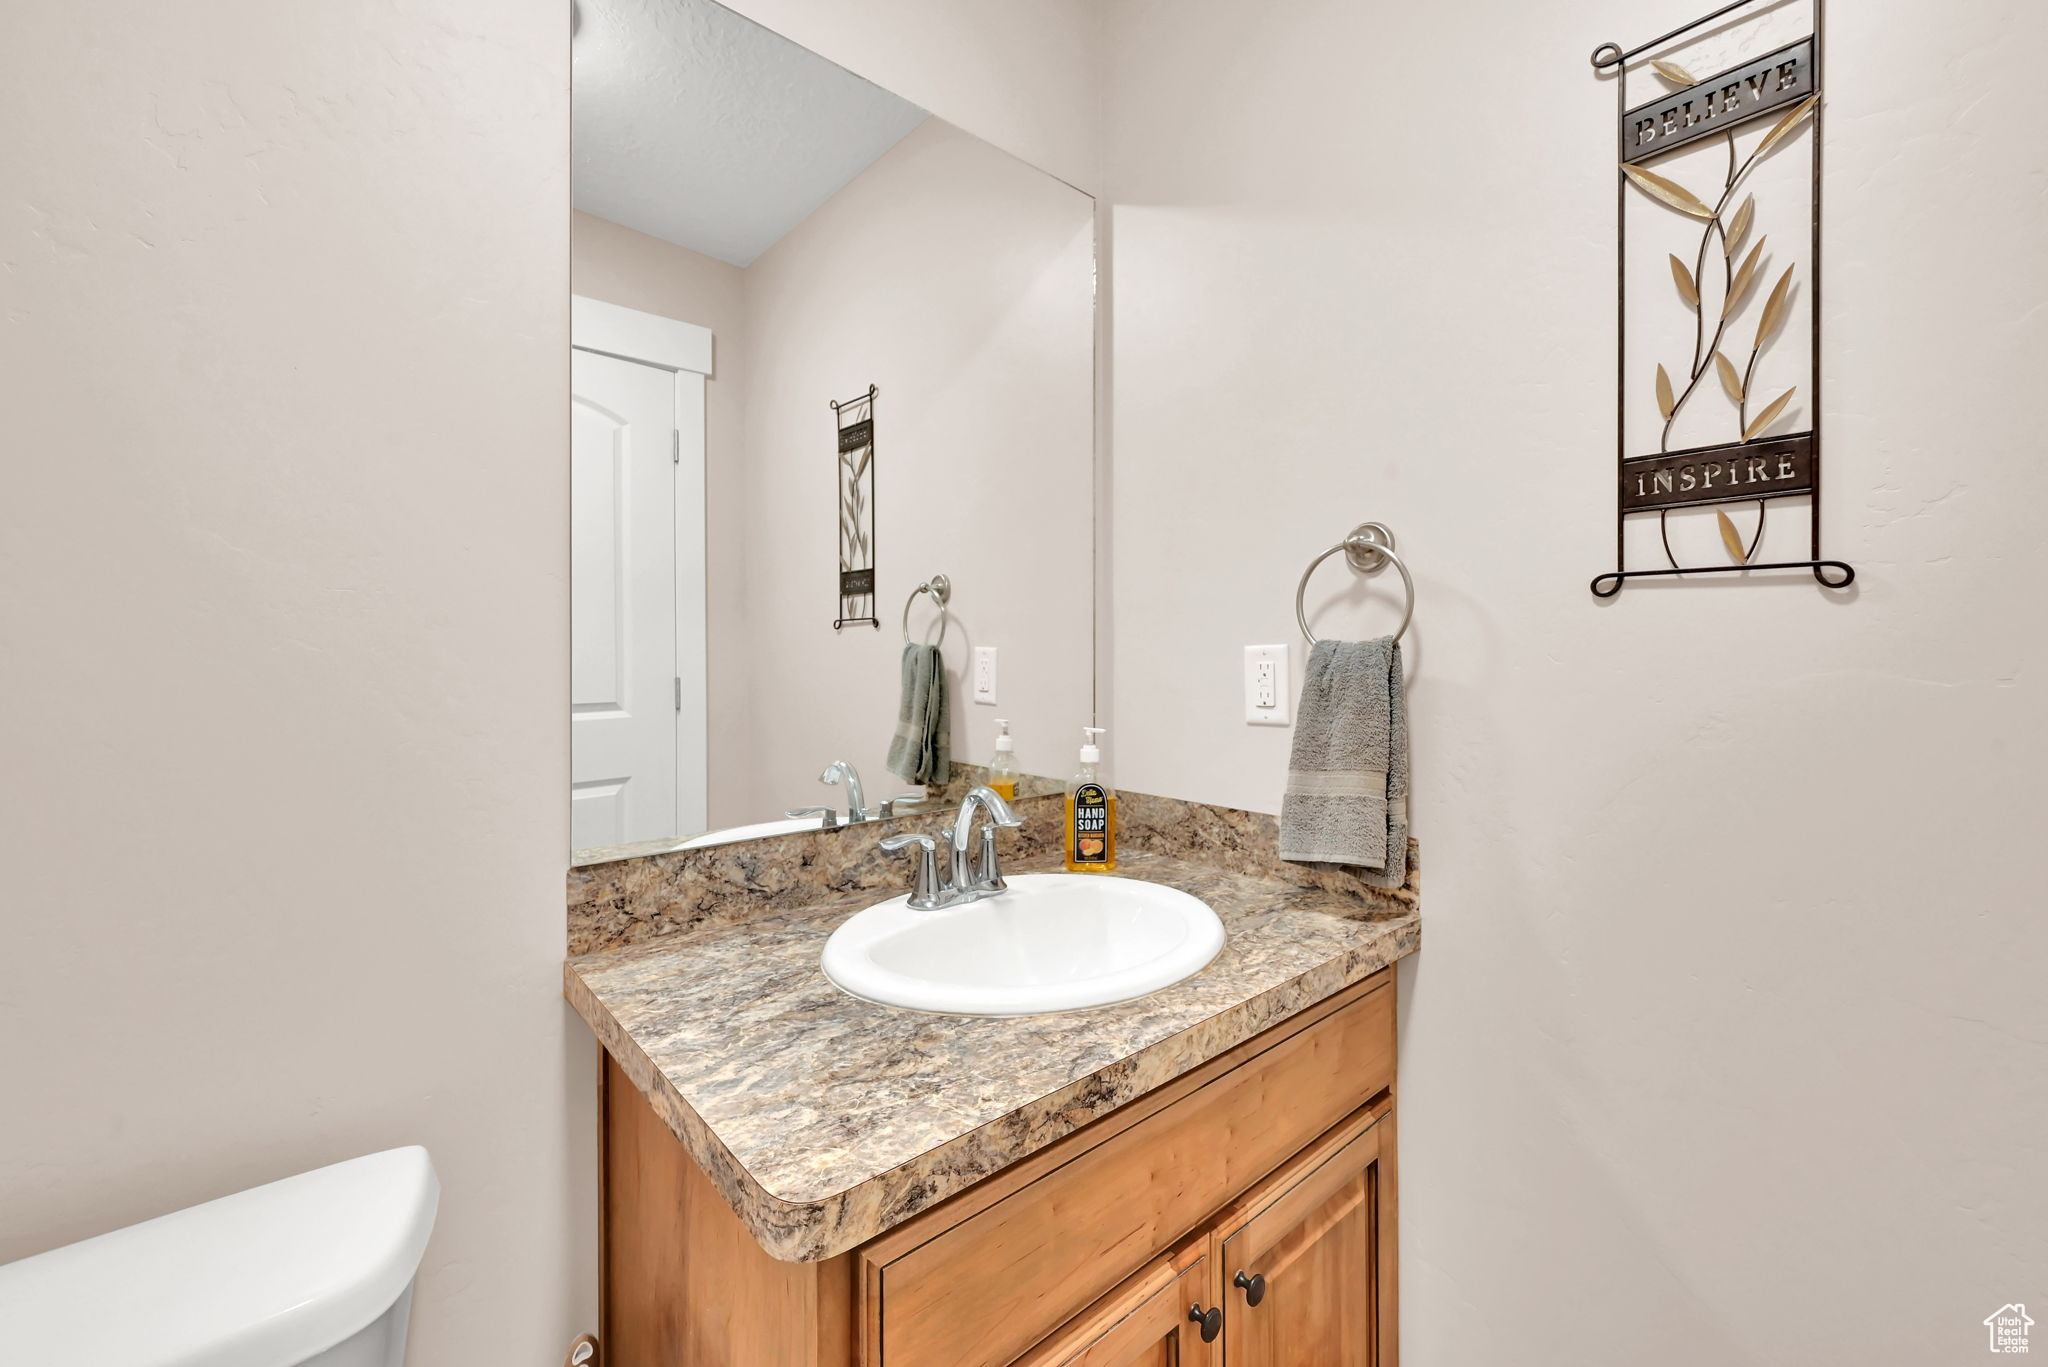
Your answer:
<point x="758" y="235"/>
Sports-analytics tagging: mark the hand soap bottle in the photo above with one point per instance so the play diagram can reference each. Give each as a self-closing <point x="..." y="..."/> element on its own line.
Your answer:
<point x="1002" y="770"/>
<point x="1091" y="813"/>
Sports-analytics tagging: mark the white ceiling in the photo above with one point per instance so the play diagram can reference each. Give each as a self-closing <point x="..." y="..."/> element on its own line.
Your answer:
<point x="705" y="129"/>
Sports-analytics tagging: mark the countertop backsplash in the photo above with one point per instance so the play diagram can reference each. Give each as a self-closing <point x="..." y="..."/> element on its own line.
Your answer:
<point x="639" y="900"/>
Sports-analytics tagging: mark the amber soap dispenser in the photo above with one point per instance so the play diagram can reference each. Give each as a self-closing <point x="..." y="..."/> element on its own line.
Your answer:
<point x="1002" y="769"/>
<point x="1091" y="812"/>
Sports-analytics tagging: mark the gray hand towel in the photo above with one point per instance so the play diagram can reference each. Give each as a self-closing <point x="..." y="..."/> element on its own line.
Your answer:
<point x="1347" y="781"/>
<point x="922" y="748"/>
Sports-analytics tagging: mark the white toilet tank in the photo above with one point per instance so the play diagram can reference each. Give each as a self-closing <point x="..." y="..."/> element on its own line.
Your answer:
<point x="313" y="1271"/>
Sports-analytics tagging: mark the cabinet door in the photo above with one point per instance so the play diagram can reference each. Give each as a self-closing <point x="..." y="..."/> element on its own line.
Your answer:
<point x="1149" y="1321"/>
<point x="1314" y="1247"/>
<point x="1075" y="1222"/>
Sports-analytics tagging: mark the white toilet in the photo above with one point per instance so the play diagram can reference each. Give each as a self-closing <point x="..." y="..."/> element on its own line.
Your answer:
<point x="313" y="1271"/>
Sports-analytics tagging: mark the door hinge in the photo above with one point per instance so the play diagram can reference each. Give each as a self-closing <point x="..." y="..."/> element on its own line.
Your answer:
<point x="679" y="695"/>
<point x="675" y="447"/>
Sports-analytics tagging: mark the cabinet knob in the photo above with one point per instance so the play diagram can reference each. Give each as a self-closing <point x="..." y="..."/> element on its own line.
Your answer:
<point x="1254" y="1286"/>
<point x="1211" y="1320"/>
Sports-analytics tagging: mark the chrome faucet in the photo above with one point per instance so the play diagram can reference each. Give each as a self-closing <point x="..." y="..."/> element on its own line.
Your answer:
<point x="856" y="801"/>
<point x="987" y="880"/>
<point x="967" y="878"/>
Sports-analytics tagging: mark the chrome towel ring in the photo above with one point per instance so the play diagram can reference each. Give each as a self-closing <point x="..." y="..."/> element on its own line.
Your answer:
<point x="941" y="590"/>
<point x="1369" y="548"/>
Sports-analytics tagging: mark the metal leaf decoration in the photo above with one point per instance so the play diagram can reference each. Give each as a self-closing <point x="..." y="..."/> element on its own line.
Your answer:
<point x="1769" y="415"/>
<point x="1730" y="538"/>
<point x="1730" y="380"/>
<point x="854" y="475"/>
<point x="1668" y="191"/>
<point x="1687" y="290"/>
<point x="1745" y="276"/>
<point x="1785" y="126"/>
<point x="1738" y="226"/>
<point x="1730" y="210"/>
<point x="1774" y="308"/>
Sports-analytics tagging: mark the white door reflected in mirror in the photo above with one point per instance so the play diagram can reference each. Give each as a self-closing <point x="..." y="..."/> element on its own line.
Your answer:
<point x="636" y="666"/>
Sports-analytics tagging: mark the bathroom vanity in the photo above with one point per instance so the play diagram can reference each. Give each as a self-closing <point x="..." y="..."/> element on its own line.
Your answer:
<point x="866" y="1101"/>
<point x="792" y="1175"/>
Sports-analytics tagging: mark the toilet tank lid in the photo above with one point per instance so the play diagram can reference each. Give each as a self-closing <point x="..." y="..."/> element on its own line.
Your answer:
<point x="265" y="1278"/>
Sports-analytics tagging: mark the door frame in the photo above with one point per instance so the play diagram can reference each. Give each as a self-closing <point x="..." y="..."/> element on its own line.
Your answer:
<point x="684" y="350"/>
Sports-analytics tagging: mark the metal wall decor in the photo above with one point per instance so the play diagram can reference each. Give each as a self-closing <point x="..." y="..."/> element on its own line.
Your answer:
<point x="1713" y="232"/>
<point x="856" y="480"/>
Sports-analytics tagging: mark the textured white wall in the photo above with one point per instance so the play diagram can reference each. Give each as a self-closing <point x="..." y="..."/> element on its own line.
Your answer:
<point x="1727" y="1041"/>
<point x="960" y="281"/>
<point x="283" y="331"/>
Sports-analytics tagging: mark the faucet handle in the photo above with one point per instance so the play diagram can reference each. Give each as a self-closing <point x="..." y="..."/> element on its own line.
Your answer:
<point x="988" y="874"/>
<point x="927" y="893"/>
<point x="829" y="817"/>
<point x="889" y="804"/>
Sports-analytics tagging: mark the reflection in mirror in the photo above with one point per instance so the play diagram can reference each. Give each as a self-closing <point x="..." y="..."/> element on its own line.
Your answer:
<point x="759" y="233"/>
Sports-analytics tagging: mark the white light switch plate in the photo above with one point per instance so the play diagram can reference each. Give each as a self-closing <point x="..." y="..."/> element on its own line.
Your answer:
<point x="985" y="674"/>
<point x="1268" y="692"/>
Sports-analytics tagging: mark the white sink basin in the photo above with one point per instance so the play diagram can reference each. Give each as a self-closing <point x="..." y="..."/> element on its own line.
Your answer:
<point x="1053" y="942"/>
<point x="753" y="832"/>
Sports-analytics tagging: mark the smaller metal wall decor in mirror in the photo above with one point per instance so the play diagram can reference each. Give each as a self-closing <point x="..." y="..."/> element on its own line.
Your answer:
<point x="1718" y="232"/>
<point x="856" y="481"/>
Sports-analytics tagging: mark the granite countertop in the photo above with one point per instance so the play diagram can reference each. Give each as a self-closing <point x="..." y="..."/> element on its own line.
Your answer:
<point x="826" y="1120"/>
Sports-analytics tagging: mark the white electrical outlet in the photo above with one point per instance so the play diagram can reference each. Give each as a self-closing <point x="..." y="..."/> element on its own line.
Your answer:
<point x="1268" y="695"/>
<point x="985" y="674"/>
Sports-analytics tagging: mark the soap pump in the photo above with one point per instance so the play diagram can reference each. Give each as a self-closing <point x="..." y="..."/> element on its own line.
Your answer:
<point x="1091" y="812"/>
<point x="1002" y="770"/>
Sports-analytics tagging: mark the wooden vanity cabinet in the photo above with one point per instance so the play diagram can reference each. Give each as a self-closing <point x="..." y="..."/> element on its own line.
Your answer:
<point x="1308" y="1259"/>
<point x="1302" y="1269"/>
<point x="1274" y="1160"/>
<point x="1149" y="1322"/>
